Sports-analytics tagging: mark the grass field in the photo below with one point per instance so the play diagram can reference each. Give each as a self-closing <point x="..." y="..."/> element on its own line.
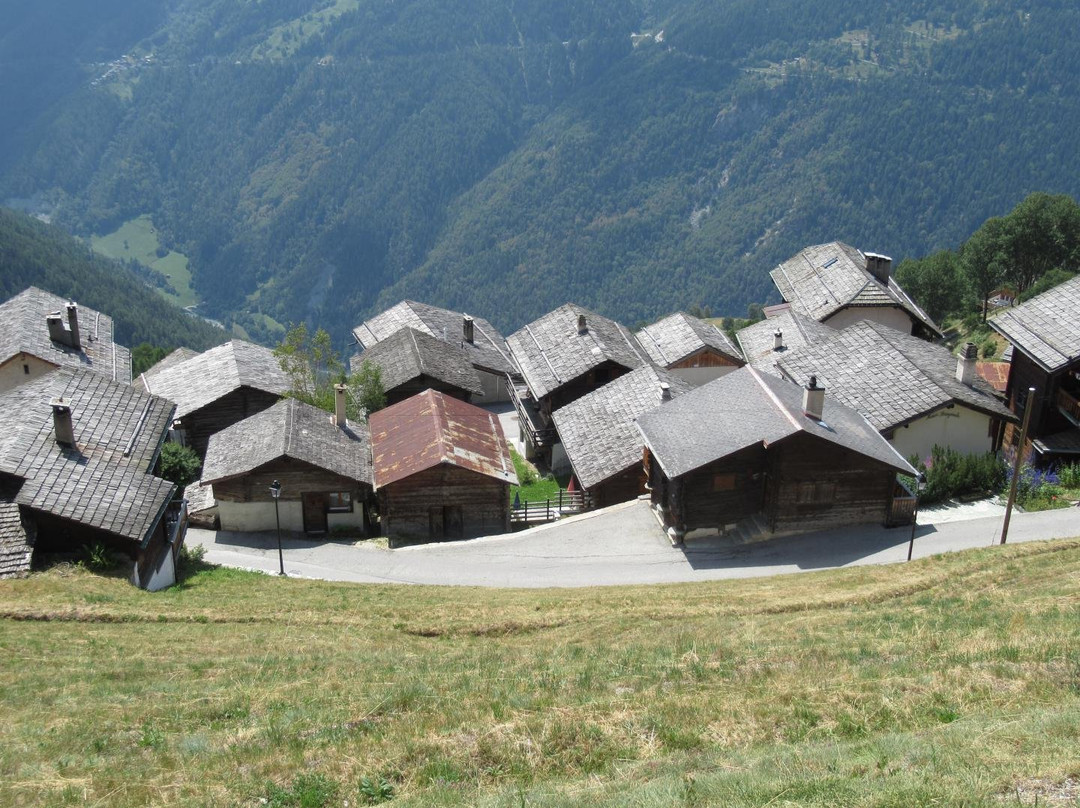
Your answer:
<point x="949" y="681"/>
<point x="137" y="240"/>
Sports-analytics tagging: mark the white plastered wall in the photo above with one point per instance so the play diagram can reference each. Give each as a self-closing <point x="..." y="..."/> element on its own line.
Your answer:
<point x="256" y="517"/>
<point x="959" y="428"/>
<point x="494" y="387"/>
<point x="13" y="373"/>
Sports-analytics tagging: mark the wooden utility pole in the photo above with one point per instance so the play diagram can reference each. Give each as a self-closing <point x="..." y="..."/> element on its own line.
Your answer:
<point x="1017" y="463"/>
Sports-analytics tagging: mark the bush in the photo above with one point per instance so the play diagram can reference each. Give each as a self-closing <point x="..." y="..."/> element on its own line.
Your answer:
<point x="988" y="349"/>
<point x="1038" y="489"/>
<point x="1069" y="475"/>
<point x="98" y="557"/>
<point x="375" y="790"/>
<point x="179" y="464"/>
<point x="950" y="474"/>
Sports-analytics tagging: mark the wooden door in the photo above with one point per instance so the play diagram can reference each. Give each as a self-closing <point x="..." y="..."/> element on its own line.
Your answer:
<point x="315" y="507"/>
<point x="453" y="522"/>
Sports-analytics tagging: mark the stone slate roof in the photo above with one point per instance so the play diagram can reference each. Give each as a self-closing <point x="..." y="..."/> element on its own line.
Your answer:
<point x="1067" y="442"/>
<point x="797" y="329"/>
<point x="408" y="354"/>
<point x="680" y="335"/>
<point x="745" y="408"/>
<point x="430" y="429"/>
<point x="1047" y="327"/>
<point x="487" y="351"/>
<point x="173" y="359"/>
<point x="213" y="374"/>
<point x="598" y="430"/>
<point x="291" y="429"/>
<point x="104" y="482"/>
<point x="550" y="352"/>
<point x="890" y="377"/>
<point x="16" y="540"/>
<point x="23" y="330"/>
<point x="821" y="280"/>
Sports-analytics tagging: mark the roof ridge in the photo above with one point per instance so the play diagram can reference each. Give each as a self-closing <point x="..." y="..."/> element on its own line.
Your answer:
<point x="438" y="405"/>
<point x="775" y="399"/>
<point x="290" y="407"/>
<point x="416" y="348"/>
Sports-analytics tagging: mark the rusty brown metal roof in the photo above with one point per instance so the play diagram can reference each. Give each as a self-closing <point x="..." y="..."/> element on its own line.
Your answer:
<point x="429" y="429"/>
<point x="996" y="373"/>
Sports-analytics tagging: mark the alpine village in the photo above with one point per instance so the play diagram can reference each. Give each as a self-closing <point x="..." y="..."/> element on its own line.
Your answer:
<point x="428" y="493"/>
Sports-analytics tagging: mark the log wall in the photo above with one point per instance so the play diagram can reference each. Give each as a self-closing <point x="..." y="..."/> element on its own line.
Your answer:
<point x="417" y="509"/>
<point x="226" y="411"/>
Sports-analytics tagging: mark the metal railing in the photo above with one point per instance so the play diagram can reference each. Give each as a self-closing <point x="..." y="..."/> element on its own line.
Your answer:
<point x="567" y="503"/>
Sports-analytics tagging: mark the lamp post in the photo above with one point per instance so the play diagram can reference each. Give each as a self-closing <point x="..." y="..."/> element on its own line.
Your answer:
<point x="920" y="484"/>
<point x="275" y="492"/>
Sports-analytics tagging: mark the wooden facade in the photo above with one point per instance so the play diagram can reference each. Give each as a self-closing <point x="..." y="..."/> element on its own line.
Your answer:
<point x="798" y="484"/>
<point x="232" y="408"/>
<point x="706" y="358"/>
<point x="1055" y="395"/>
<point x="420" y="384"/>
<point x="301" y="483"/>
<point x="621" y="487"/>
<point x="582" y="385"/>
<point x="444" y="503"/>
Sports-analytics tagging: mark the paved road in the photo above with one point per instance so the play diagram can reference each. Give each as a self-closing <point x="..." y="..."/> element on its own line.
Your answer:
<point x="620" y="545"/>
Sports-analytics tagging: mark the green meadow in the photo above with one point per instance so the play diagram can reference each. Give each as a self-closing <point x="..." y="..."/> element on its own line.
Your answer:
<point x="136" y="240"/>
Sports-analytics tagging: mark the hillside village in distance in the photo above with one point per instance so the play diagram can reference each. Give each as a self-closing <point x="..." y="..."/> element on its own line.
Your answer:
<point x="806" y="420"/>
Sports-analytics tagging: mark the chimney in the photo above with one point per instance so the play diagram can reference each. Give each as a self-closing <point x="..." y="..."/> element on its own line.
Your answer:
<point x="813" y="401"/>
<point x="467" y="328"/>
<point x="582" y="326"/>
<point x="965" y="365"/>
<point x="778" y="340"/>
<point x="65" y="431"/>
<point x="73" y="324"/>
<point x="66" y="334"/>
<point x="665" y="391"/>
<point x="339" y="404"/>
<point x="880" y="266"/>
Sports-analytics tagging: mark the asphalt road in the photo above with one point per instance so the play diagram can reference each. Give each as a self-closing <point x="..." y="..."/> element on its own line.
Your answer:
<point x="617" y="546"/>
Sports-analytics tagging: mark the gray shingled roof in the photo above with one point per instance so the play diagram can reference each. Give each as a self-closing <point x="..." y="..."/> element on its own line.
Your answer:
<point x="173" y="359"/>
<point x="408" y="354"/>
<point x="820" y="280"/>
<point x="598" y="430"/>
<point x="213" y="374"/>
<point x="680" y="335"/>
<point x="23" y="330"/>
<point x="550" y="352"/>
<point x="16" y="540"/>
<point x="1047" y="327"/>
<point x="104" y="481"/>
<point x="487" y="351"/>
<point x="890" y="377"/>
<point x="745" y="408"/>
<point x="797" y="330"/>
<point x="292" y="429"/>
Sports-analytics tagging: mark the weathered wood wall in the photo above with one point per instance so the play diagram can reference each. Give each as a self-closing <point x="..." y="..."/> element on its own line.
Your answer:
<point x="1046" y="419"/>
<point x="622" y="487"/>
<point x="583" y="384"/>
<point x="706" y="358"/>
<point x="296" y="478"/>
<point x="722" y="492"/>
<point x="226" y="411"/>
<point x="422" y="383"/>
<point x="406" y="506"/>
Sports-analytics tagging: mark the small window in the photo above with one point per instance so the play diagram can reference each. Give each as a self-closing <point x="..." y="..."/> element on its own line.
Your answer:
<point x="26" y="369"/>
<point x="339" y="502"/>
<point x="816" y="493"/>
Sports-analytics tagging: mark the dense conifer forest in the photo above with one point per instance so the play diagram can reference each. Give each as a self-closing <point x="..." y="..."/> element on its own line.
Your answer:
<point x="320" y="159"/>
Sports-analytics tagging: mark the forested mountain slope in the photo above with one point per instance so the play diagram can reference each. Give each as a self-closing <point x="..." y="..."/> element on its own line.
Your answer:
<point x="318" y="159"/>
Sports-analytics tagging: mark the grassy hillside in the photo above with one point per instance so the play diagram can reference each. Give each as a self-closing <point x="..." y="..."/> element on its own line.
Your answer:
<point x="36" y="254"/>
<point x="320" y="159"/>
<point x="949" y="681"/>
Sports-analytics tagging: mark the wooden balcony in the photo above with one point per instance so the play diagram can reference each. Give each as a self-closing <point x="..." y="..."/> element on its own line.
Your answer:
<point x="1069" y="406"/>
<point x="539" y="433"/>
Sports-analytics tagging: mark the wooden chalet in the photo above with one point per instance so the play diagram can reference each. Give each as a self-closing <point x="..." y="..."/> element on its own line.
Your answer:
<point x="690" y="348"/>
<point x="217" y="388"/>
<point x="77" y="454"/>
<point x="479" y="339"/>
<point x="562" y="356"/>
<point x="749" y="446"/>
<point x="40" y="332"/>
<point x="442" y="470"/>
<point x="321" y="459"/>
<point x="411" y="361"/>
<point x="766" y="342"/>
<point x="839" y="285"/>
<point x="1045" y="334"/>
<point x="915" y="393"/>
<point x="601" y="439"/>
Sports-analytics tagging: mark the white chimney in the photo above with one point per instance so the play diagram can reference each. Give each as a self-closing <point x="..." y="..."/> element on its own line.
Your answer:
<point x="339" y="404"/>
<point x="965" y="365"/>
<point x="582" y="326"/>
<point x="665" y="391"/>
<point x="880" y="266"/>
<point x="62" y="425"/>
<point x="778" y="340"/>
<point x="467" y="328"/>
<point x="813" y="402"/>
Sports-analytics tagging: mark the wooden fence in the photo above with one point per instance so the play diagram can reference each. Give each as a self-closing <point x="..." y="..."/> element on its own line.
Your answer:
<point x="566" y="503"/>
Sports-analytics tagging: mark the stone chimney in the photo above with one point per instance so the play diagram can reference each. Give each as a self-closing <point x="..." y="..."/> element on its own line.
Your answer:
<point x="778" y="340"/>
<point x="665" y="391"/>
<point x="582" y="326"/>
<point x="62" y="425"/>
<point x="340" y="391"/>
<point x="965" y="364"/>
<point x="467" y="328"/>
<point x="813" y="400"/>
<point x="73" y="324"/>
<point x="880" y="266"/>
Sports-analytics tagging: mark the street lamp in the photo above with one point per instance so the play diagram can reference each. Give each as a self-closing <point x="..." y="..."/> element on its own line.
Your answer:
<point x="275" y="492"/>
<point x="920" y="484"/>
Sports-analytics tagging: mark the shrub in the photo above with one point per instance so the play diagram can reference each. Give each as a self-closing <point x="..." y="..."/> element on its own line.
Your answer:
<point x="306" y="791"/>
<point x="1069" y="475"/>
<point x="988" y="349"/>
<point x="179" y="464"/>
<point x="950" y="474"/>
<point x="375" y="790"/>
<point x="98" y="557"/>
